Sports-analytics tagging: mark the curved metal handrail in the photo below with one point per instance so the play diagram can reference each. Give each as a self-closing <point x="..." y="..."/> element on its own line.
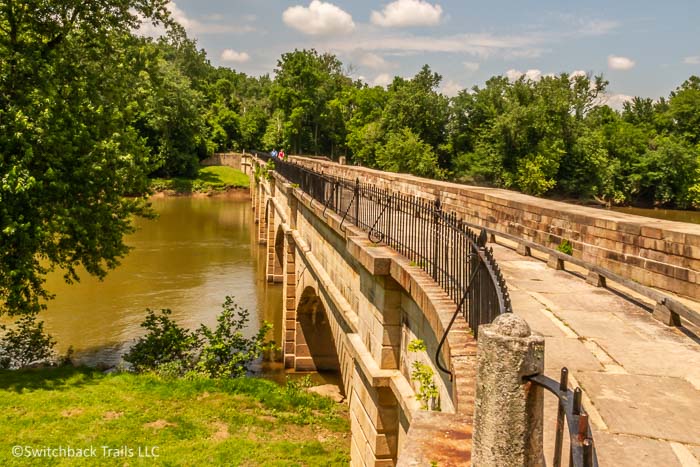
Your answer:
<point x="380" y="235"/>
<point x="581" y="447"/>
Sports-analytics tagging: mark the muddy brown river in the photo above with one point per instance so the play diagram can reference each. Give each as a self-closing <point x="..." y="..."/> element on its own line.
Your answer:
<point x="188" y="259"/>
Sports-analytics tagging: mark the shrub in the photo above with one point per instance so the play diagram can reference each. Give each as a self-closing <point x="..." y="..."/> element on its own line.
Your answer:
<point x="164" y="342"/>
<point x="173" y="351"/>
<point x="25" y="344"/>
<point x="227" y="352"/>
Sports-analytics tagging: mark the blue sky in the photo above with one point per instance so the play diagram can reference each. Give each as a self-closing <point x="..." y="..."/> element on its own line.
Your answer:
<point x="644" y="48"/>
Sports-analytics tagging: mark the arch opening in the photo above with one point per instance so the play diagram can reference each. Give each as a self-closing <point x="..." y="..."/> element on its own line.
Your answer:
<point x="315" y="347"/>
<point x="279" y="256"/>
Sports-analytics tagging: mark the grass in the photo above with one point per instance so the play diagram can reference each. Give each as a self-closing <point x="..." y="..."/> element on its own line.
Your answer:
<point x="244" y="421"/>
<point x="209" y="179"/>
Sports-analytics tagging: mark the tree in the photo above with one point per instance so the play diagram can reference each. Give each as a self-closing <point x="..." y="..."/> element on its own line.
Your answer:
<point x="684" y="110"/>
<point x="405" y="152"/>
<point x="305" y="83"/>
<point x="416" y="104"/>
<point x="69" y="153"/>
<point x="171" y="117"/>
<point x="667" y="173"/>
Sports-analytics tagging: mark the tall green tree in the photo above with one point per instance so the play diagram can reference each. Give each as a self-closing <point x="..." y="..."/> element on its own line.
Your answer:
<point x="68" y="153"/>
<point x="305" y="83"/>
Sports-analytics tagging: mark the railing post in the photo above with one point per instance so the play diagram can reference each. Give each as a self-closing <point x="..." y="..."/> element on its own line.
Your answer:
<point x="561" y="420"/>
<point x="357" y="202"/>
<point x="436" y="239"/>
<point x="508" y="409"/>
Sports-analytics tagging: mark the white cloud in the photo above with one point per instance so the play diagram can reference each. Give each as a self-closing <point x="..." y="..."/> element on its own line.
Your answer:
<point x="374" y="61"/>
<point x="383" y="80"/>
<point x="403" y="13"/>
<point x="471" y="66"/>
<point x="318" y="19"/>
<point x="196" y="27"/>
<point x="533" y="75"/>
<point x="230" y="55"/>
<point x="530" y="75"/>
<point x="513" y="75"/>
<point x="620" y="63"/>
<point x="694" y="60"/>
<point x="574" y="74"/>
<point x="451" y="88"/>
<point x="180" y="16"/>
<point x="616" y="101"/>
<point x="479" y="45"/>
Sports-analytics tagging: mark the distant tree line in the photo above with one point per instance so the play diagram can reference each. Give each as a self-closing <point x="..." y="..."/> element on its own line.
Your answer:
<point x="553" y="136"/>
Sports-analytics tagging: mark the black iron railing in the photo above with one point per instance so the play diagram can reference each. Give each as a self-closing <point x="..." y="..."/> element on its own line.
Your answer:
<point x="434" y="240"/>
<point x="570" y="414"/>
<point x="452" y="253"/>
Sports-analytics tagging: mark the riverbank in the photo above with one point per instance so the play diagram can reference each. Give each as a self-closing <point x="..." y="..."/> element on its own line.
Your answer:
<point x="245" y="421"/>
<point x="211" y="180"/>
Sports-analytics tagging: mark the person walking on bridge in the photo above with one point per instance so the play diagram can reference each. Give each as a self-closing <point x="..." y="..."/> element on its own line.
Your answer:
<point x="281" y="154"/>
<point x="274" y="153"/>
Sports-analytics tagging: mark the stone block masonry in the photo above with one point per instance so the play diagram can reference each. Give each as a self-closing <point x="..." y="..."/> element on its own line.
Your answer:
<point x="230" y="159"/>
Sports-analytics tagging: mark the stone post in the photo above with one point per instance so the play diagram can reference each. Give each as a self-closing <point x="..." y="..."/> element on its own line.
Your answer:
<point x="508" y="411"/>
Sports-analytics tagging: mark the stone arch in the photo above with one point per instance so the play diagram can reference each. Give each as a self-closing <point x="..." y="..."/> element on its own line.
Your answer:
<point x="315" y="347"/>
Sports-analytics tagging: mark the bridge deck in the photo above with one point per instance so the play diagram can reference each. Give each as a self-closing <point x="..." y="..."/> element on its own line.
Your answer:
<point x="641" y="379"/>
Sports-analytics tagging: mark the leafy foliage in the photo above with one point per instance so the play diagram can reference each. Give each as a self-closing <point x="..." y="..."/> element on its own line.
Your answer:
<point x="566" y="247"/>
<point x="25" y="343"/>
<point x="172" y="350"/>
<point x="69" y="153"/>
<point x="166" y="342"/>
<point x="226" y="351"/>
<point x="428" y="394"/>
<point x="406" y="152"/>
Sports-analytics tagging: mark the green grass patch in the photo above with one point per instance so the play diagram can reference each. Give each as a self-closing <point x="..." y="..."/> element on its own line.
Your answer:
<point x="211" y="178"/>
<point x="244" y="421"/>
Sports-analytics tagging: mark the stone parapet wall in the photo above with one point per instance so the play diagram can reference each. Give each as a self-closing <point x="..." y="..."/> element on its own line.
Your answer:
<point x="231" y="159"/>
<point x="653" y="252"/>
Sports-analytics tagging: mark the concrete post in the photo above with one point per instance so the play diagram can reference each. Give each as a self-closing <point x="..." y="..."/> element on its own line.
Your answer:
<point x="665" y="315"/>
<point x="596" y="279"/>
<point x="555" y="263"/>
<point x="508" y="412"/>
<point x="523" y="250"/>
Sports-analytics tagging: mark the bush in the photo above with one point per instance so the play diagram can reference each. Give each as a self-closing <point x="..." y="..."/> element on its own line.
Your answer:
<point x="26" y="344"/>
<point x="227" y="352"/>
<point x="172" y="351"/>
<point x="165" y="342"/>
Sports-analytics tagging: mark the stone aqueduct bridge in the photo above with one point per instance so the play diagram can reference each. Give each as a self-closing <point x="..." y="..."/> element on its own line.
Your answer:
<point x="354" y="306"/>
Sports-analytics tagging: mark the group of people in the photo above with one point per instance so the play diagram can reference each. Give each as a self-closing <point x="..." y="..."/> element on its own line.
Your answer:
<point x="278" y="155"/>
